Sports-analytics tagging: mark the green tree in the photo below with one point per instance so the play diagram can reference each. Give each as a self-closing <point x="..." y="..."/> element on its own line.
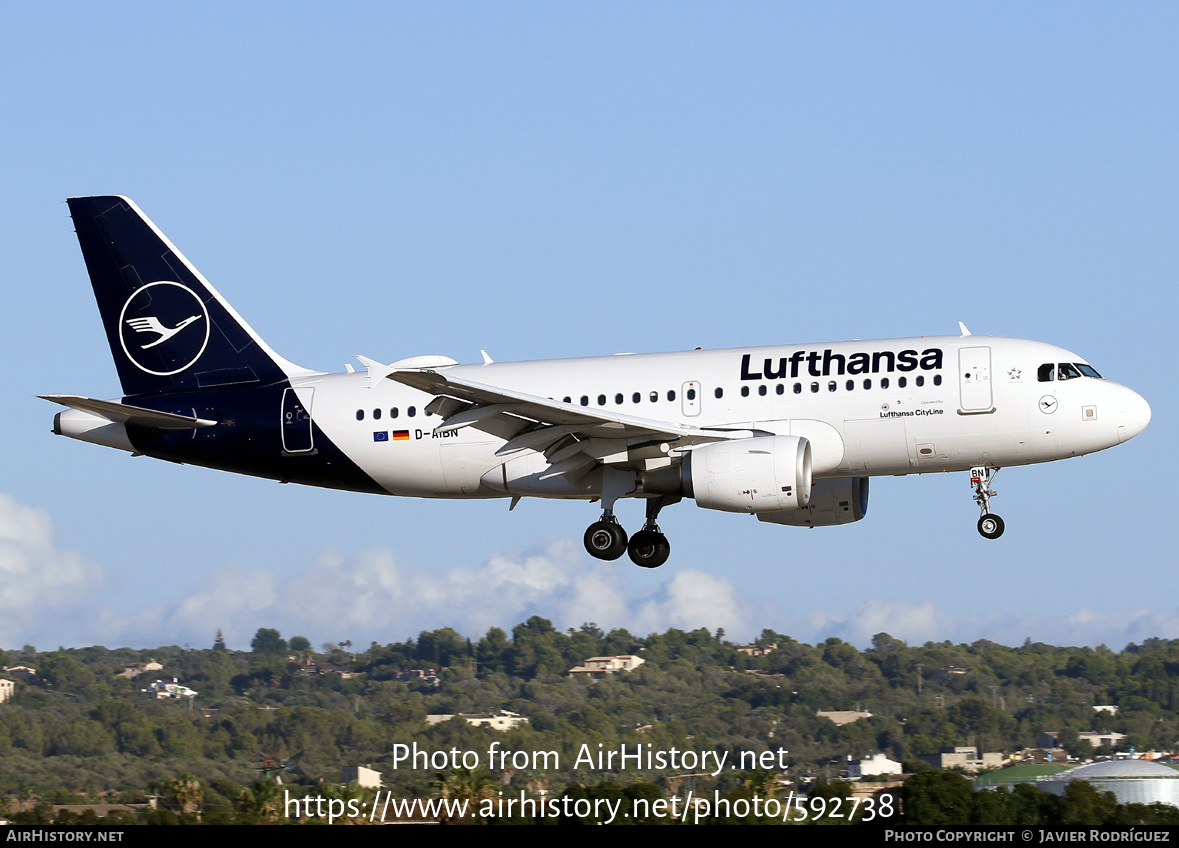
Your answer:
<point x="464" y="784"/>
<point x="187" y="793"/>
<point x="836" y="810"/>
<point x="268" y="641"/>
<point x="937" y="797"/>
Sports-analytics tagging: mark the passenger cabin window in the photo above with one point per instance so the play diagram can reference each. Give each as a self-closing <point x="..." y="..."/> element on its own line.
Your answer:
<point x="601" y="400"/>
<point x="393" y="412"/>
<point x="654" y="397"/>
<point x="780" y="388"/>
<point x="884" y="382"/>
<point x="902" y="382"/>
<point x="761" y="390"/>
<point x="360" y="415"/>
<point x="691" y="394"/>
<point x="636" y="397"/>
<point x="814" y="388"/>
<point x="851" y="384"/>
<point x="376" y="415"/>
<point x="671" y="395"/>
<point x="798" y="388"/>
<point x="720" y="393"/>
<point x="618" y="398"/>
<point x="1046" y="372"/>
<point x="937" y="379"/>
<point x="920" y="381"/>
<point x="831" y="386"/>
<point x="867" y="384"/>
<point x="745" y="391"/>
<point x="584" y="400"/>
<point x="411" y="411"/>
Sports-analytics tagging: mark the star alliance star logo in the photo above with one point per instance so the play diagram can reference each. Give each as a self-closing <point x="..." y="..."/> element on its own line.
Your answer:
<point x="1014" y="374"/>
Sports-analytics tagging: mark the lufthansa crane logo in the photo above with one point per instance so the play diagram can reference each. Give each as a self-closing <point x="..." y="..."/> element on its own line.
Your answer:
<point x="164" y="328"/>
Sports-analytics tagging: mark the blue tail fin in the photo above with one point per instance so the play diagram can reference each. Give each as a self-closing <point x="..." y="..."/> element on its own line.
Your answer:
<point x="169" y="330"/>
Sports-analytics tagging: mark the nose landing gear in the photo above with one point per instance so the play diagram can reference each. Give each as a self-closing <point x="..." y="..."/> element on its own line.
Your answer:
<point x="990" y="526"/>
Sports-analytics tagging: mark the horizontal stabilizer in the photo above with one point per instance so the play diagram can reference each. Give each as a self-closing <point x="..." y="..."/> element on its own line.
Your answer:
<point x="121" y="413"/>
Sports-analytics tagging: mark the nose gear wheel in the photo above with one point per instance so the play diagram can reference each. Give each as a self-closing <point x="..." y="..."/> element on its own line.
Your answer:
<point x="990" y="526"/>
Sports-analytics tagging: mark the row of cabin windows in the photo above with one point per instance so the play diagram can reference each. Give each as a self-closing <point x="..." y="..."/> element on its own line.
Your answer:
<point x="637" y="397"/>
<point x="833" y="385"/>
<point x="393" y="413"/>
<point x="762" y="390"/>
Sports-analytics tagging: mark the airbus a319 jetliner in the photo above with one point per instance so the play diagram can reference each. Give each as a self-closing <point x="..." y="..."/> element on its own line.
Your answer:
<point x="790" y="434"/>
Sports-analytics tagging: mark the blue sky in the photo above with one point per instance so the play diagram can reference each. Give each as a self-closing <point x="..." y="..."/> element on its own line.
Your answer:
<point x="552" y="180"/>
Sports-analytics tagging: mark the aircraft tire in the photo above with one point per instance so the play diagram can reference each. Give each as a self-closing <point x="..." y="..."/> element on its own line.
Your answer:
<point x="990" y="526"/>
<point x="605" y="540"/>
<point x="649" y="549"/>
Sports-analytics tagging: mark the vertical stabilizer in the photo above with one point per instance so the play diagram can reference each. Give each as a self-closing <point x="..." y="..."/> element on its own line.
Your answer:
<point x="168" y="329"/>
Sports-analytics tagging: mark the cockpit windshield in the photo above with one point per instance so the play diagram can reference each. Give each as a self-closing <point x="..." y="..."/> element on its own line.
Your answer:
<point x="1049" y="371"/>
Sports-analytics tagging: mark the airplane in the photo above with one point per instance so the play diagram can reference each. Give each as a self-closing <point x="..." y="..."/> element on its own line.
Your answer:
<point x="791" y="434"/>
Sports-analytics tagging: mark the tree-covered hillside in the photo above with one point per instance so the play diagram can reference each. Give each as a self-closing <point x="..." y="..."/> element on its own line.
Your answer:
<point x="79" y="730"/>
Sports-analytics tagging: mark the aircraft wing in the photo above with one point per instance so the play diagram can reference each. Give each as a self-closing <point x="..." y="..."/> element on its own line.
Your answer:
<point x="571" y="436"/>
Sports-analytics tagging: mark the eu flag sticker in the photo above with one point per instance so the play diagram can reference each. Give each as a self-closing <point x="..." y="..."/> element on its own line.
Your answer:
<point x="381" y="436"/>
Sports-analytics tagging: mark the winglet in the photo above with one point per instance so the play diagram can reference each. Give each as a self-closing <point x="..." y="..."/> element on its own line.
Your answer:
<point x="376" y="371"/>
<point x="487" y="360"/>
<point x="962" y="327"/>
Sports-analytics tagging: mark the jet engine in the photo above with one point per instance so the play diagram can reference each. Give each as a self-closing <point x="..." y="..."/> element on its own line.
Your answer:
<point x="763" y="474"/>
<point x="833" y="502"/>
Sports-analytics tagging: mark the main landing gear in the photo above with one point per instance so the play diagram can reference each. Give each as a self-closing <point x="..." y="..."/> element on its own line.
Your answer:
<point x="649" y="548"/>
<point x="990" y="526"/>
<point x="605" y="538"/>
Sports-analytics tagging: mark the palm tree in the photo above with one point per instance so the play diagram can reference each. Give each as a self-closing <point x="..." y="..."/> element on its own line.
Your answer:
<point x="468" y="785"/>
<point x="187" y="793"/>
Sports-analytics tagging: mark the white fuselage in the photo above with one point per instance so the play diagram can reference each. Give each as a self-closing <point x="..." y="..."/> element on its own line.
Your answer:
<point x="868" y="408"/>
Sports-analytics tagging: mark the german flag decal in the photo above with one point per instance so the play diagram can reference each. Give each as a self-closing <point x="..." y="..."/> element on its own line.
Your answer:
<point x="401" y="435"/>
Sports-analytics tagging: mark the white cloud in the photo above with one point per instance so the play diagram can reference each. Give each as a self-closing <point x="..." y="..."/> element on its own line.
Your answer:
<point x="50" y="596"/>
<point x="372" y="596"/>
<point x="694" y="599"/>
<point x="917" y="623"/>
<point x="38" y="581"/>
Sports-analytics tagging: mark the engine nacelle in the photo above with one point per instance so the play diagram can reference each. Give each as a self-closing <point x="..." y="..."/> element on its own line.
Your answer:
<point x="762" y="474"/>
<point x="833" y="502"/>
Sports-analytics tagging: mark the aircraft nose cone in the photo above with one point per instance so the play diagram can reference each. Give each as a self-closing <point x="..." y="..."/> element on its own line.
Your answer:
<point x="1133" y="415"/>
